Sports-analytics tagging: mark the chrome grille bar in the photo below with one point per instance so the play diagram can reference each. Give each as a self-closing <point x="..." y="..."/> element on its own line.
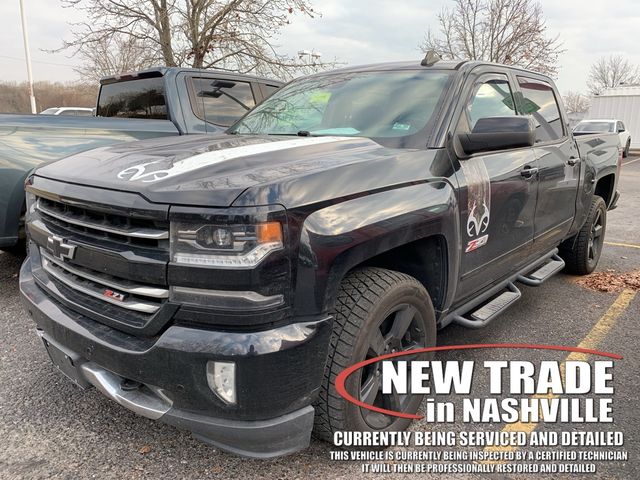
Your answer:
<point x="146" y="233"/>
<point x="88" y="287"/>
<point x="109" y="281"/>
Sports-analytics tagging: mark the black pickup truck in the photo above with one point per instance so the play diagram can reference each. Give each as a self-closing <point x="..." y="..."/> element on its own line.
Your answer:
<point x="221" y="284"/>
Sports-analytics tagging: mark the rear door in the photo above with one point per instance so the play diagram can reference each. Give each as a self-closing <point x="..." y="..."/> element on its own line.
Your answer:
<point x="559" y="163"/>
<point x="497" y="194"/>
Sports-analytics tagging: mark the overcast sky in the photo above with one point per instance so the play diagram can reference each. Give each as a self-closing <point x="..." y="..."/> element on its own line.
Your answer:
<point x="354" y="31"/>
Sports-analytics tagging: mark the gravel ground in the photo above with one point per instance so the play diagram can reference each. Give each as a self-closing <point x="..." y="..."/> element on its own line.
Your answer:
<point x="50" y="429"/>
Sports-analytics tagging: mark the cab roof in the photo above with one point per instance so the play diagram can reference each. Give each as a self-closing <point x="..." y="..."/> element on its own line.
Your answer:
<point x="439" y="65"/>
<point x="155" y="72"/>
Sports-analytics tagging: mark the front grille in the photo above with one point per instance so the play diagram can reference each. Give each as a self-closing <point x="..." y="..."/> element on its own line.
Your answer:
<point x="104" y="226"/>
<point x="117" y="271"/>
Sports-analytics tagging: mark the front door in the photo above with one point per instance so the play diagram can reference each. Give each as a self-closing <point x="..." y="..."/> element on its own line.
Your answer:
<point x="498" y="193"/>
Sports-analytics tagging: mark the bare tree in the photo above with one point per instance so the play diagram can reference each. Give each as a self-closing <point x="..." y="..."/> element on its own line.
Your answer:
<point x="611" y="71"/>
<point x="512" y="32"/>
<point x="114" y="54"/>
<point x="236" y="35"/>
<point x="575" y="102"/>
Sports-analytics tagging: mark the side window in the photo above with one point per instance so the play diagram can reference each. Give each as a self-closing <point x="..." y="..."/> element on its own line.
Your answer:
<point x="492" y="98"/>
<point x="220" y="102"/>
<point x="620" y="127"/>
<point x="540" y="102"/>
<point x="269" y="90"/>
<point x="68" y="113"/>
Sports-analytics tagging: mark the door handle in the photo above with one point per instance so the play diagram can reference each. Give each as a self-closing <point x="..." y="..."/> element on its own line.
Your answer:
<point x="573" y="161"/>
<point x="529" y="172"/>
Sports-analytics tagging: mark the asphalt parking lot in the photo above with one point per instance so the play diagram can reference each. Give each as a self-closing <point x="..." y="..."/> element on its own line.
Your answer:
<point x="50" y="429"/>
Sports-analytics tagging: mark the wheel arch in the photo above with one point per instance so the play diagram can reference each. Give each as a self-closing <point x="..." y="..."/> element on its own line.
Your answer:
<point x="412" y="230"/>
<point x="425" y="259"/>
<point x="605" y="187"/>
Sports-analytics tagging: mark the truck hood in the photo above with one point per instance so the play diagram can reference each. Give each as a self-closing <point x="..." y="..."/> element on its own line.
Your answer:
<point x="213" y="171"/>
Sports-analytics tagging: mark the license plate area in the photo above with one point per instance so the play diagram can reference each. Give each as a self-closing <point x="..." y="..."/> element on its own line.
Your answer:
<point x="66" y="361"/>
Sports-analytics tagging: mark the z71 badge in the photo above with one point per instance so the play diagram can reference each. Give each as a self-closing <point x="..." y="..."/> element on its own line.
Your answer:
<point x="476" y="243"/>
<point x="120" y="297"/>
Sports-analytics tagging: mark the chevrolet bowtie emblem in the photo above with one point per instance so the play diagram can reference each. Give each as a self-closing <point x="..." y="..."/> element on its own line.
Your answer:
<point x="59" y="249"/>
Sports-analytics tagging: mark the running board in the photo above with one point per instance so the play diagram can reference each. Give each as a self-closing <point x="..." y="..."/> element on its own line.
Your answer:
<point x="489" y="311"/>
<point x="543" y="273"/>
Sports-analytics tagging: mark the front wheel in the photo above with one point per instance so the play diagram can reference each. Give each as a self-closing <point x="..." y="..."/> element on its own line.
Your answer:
<point x="625" y="152"/>
<point x="377" y="311"/>
<point x="582" y="252"/>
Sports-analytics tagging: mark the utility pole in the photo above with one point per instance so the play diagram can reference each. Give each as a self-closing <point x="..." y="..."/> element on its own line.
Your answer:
<point x="27" y="54"/>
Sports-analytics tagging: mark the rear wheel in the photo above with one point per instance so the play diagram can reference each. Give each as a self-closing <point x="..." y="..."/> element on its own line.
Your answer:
<point x="377" y="311"/>
<point x="582" y="252"/>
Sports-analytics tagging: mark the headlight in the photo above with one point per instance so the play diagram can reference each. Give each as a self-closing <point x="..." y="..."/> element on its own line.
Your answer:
<point x="222" y="245"/>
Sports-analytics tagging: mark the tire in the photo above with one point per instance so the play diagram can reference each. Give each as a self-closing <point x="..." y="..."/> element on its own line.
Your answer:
<point x="625" y="152"/>
<point x="370" y="302"/>
<point x="582" y="252"/>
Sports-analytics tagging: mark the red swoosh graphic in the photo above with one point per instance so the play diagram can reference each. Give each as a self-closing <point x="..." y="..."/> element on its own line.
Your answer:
<point x="342" y="377"/>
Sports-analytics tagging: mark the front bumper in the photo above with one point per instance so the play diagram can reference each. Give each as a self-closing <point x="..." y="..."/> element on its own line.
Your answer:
<point x="278" y="374"/>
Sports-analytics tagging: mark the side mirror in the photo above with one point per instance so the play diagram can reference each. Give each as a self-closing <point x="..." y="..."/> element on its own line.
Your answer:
<point x="621" y="130"/>
<point x="498" y="133"/>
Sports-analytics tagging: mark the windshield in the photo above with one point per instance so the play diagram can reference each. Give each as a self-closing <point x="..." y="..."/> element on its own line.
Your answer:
<point x="597" y="127"/>
<point x="390" y="107"/>
<point x="50" y="111"/>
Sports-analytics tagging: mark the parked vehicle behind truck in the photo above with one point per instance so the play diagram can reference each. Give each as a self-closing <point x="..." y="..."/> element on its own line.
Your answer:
<point x="221" y="284"/>
<point x="69" y="111"/>
<point x="153" y="103"/>
<point x="587" y="127"/>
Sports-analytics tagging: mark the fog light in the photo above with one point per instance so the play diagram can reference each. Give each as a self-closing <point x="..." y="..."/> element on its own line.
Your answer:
<point x="221" y="377"/>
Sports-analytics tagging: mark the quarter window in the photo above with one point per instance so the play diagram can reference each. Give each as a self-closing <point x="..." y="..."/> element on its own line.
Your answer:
<point x="540" y="102"/>
<point x="269" y="90"/>
<point x="221" y="102"/>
